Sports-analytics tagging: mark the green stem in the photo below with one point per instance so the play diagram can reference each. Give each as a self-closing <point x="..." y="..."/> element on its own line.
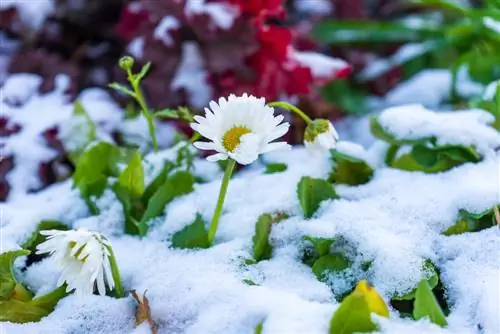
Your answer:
<point x="220" y="201"/>
<point x="194" y="137"/>
<point x="118" y="292"/>
<point x="139" y="96"/>
<point x="290" y="107"/>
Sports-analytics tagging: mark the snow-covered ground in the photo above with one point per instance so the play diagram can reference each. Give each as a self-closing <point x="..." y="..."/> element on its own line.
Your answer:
<point x="395" y="221"/>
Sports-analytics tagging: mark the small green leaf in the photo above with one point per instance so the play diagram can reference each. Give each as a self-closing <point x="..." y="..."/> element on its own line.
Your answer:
<point x="311" y="192"/>
<point x="78" y="113"/>
<point x="7" y="280"/>
<point x="121" y="88"/>
<point x="36" y="238"/>
<point x="321" y="245"/>
<point x="157" y="182"/>
<point x="132" y="178"/>
<point x="262" y="249"/>
<point x="275" y="168"/>
<point x="471" y="222"/>
<point x="352" y="316"/>
<point x="349" y="170"/>
<point x="329" y="263"/>
<point x="166" y="113"/>
<point x="33" y="310"/>
<point x="426" y="305"/>
<point x="143" y="72"/>
<point x="258" y="329"/>
<point x="178" y="184"/>
<point x="194" y="235"/>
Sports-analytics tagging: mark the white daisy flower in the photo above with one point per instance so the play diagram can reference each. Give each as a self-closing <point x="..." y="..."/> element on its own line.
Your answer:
<point x="320" y="136"/>
<point x="84" y="258"/>
<point x="240" y="128"/>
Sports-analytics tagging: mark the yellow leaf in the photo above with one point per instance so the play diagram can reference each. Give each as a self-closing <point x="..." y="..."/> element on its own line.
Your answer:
<point x="375" y="303"/>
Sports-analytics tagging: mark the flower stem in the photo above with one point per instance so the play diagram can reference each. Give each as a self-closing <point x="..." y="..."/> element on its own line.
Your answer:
<point x="220" y="201"/>
<point x="497" y="215"/>
<point x="118" y="291"/>
<point x="139" y="96"/>
<point x="292" y="108"/>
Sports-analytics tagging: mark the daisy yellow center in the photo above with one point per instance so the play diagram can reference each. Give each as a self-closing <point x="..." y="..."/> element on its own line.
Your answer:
<point x="232" y="138"/>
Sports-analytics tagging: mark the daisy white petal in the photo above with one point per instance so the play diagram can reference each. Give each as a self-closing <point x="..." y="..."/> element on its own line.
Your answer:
<point x="84" y="257"/>
<point x="240" y="127"/>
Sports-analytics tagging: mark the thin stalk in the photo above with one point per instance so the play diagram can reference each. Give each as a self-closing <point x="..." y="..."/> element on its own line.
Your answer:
<point x="497" y="215"/>
<point x="220" y="201"/>
<point x="115" y="272"/>
<point x="292" y="108"/>
<point x="139" y="96"/>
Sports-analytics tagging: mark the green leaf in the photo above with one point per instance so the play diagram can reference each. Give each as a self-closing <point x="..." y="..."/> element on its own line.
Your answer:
<point x="471" y="222"/>
<point x="352" y="316"/>
<point x="349" y="98"/>
<point x="424" y="156"/>
<point x="431" y="277"/>
<point x="33" y="310"/>
<point x="262" y="249"/>
<point x="460" y="153"/>
<point x="258" y="329"/>
<point x="143" y="72"/>
<point x="329" y="263"/>
<point x="94" y="167"/>
<point x="121" y="88"/>
<point x="132" y="178"/>
<point x="349" y="170"/>
<point x="7" y="280"/>
<point x="275" y="168"/>
<point x="166" y="113"/>
<point x="194" y="235"/>
<point x="311" y="192"/>
<point x="74" y="153"/>
<point x="321" y="245"/>
<point x="426" y="305"/>
<point x="371" y="32"/>
<point x="178" y="184"/>
<point x="36" y="238"/>
<point x="157" y="182"/>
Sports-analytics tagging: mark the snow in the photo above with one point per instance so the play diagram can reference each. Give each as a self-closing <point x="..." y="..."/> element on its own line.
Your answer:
<point x="395" y="221"/>
<point x="490" y="91"/>
<point x="223" y="15"/>
<point x="32" y="13"/>
<point x="192" y="76"/>
<point x="432" y="88"/>
<point x="492" y="24"/>
<point x="319" y="7"/>
<point x="162" y="30"/>
<point x="136" y="47"/>
<point x="321" y="66"/>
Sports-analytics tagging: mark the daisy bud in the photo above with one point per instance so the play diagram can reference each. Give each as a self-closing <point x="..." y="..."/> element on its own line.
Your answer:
<point x="240" y="128"/>
<point x="320" y="136"/>
<point x="85" y="259"/>
<point x="126" y="63"/>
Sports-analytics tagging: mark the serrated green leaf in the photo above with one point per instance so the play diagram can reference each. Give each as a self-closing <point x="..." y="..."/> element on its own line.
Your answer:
<point x="166" y="113"/>
<point x="178" y="184"/>
<point x="333" y="262"/>
<point x="33" y="310"/>
<point x="321" y="245"/>
<point x="352" y="316"/>
<point x="311" y="192"/>
<point x="275" y="168"/>
<point x="427" y="306"/>
<point x="132" y="178"/>
<point x="192" y="236"/>
<point x="7" y="280"/>
<point x="36" y="238"/>
<point x="121" y="88"/>
<point x="349" y="170"/>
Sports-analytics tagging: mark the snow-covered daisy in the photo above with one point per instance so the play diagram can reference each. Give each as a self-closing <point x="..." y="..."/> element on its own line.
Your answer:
<point x="84" y="258"/>
<point x="240" y="128"/>
<point x="320" y="136"/>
